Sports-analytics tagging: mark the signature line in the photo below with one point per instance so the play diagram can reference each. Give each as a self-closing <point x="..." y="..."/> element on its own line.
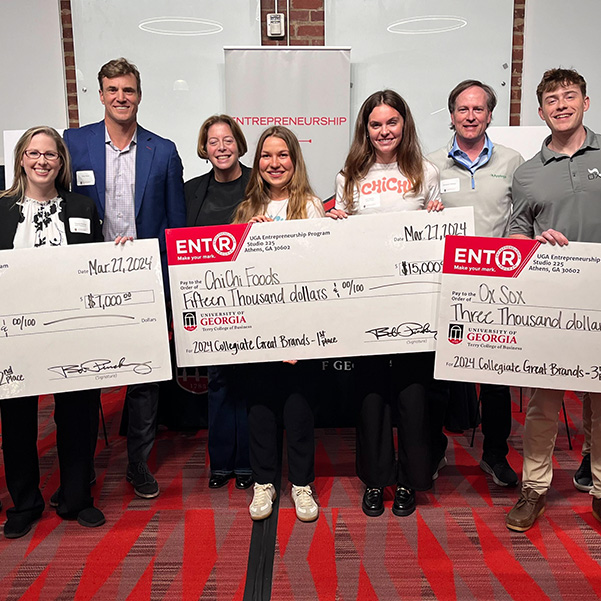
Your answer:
<point x="49" y="323"/>
<point x="404" y="284"/>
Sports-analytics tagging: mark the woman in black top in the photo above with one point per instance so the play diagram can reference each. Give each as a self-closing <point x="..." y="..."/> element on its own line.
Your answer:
<point x="212" y="199"/>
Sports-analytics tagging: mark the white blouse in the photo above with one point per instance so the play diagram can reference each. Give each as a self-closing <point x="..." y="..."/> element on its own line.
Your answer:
<point x="40" y="224"/>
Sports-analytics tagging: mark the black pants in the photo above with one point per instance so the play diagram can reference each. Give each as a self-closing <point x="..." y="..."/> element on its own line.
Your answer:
<point x="453" y="405"/>
<point x="142" y="403"/>
<point x="495" y="400"/>
<point x="228" y="421"/>
<point x="19" y="442"/>
<point x="279" y="395"/>
<point x="392" y="382"/>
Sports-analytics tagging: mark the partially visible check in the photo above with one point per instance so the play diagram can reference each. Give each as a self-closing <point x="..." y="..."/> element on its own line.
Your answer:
<point x="520" y="313"/>
<point x="81" y="316"/>
<point x="314" y="288"/>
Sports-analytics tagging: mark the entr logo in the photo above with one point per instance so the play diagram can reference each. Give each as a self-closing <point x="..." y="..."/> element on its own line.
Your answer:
<point x="506" y="258"/>
<point x="593" y="173"/>
<point x="455" y="333"/>
<point x="223" y="244"/>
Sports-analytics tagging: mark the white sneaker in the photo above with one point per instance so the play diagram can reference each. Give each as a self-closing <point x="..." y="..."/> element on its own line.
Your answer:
<point x="442" y="463"/>
<point x="262" y="503"/>
<point x="306" y="507"/>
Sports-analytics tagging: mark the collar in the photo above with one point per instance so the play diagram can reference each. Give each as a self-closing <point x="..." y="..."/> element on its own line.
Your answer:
<point x="459" y="156"/>
<point x="590" y="143"/>
<point x="107" y="140"/>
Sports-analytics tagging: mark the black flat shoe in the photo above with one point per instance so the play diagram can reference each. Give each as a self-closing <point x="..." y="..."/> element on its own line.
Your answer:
<point x="90" y="517"/>
<point x="244" y="481"/>
<point x="18" y="526"/>
<point x="219" y="480"/>
<point x="404" y="501"/>
<point x="373" y="502"/>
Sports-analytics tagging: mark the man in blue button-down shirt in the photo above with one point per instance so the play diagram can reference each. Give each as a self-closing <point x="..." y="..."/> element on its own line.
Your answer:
<point x="135" y="178"/>
<point x="475" y="172"/>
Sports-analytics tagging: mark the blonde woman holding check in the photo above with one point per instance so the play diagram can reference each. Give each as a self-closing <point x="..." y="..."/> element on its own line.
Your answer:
<point x="278" y="190"/>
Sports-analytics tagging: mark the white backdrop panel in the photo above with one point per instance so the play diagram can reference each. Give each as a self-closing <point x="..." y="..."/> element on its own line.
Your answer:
<point x="31" y="68"/>
<point x="556" y="37"/>
<point x="306" y="89"/>
<point x="526" y="139"/>
<point x="181" y="67"/>
<point x="464" y="39"/>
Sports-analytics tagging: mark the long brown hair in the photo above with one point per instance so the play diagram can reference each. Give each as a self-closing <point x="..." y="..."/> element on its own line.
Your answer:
<point x="63" y="179"/>
<point x="362" y="155"/>
<point x="257" y="191"/>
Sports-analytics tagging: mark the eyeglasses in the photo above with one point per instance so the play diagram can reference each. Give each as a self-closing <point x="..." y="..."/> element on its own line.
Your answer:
<point x="36" y="154"/>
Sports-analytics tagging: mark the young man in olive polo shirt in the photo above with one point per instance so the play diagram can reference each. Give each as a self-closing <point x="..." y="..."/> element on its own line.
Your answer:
<point x="557" y="197"/>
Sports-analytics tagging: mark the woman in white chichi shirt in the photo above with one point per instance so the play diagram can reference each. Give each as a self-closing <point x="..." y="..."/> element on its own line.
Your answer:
<point x="385" y="171"/>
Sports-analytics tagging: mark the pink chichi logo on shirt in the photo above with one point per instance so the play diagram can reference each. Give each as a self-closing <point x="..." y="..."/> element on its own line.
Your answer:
<point x="387" y="184"/>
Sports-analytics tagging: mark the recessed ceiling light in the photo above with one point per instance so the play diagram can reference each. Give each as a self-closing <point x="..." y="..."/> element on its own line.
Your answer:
<point x="184" y="26"/>
<point x="427" y="24"/>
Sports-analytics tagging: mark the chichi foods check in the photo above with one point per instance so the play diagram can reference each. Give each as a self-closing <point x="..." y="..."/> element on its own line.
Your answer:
<point x="81" y="316"/>
<point x="521" y="313"/>
<point x="312" y="288"/>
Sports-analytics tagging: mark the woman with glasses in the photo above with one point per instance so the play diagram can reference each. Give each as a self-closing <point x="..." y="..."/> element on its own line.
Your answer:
<point x="38" y="210"/>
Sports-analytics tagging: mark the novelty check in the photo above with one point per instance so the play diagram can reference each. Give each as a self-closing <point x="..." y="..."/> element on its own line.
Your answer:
<point x="82" y="316"/>
<point x="313" y="288"/>
<point x="521" y="313"/>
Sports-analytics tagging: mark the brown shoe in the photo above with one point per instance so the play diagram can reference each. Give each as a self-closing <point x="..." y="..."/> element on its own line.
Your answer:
<point x="529" y="507"/>
<point x="597" y="508"/>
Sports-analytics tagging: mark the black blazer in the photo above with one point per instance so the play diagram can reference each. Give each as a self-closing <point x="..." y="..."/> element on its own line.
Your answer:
<point x="195" y="192"/>
<point x="72" y="205"/>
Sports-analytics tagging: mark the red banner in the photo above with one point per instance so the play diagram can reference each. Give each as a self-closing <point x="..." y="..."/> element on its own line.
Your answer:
<point x="210" y="244"/>
<point x="496" y="257"/>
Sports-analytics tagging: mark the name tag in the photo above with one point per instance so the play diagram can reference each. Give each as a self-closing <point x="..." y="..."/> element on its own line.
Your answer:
<point x="449" y="185"/>
<point x="85" y="178"/>
<point x="369" y="202"/>
<point x="80" y="225"/>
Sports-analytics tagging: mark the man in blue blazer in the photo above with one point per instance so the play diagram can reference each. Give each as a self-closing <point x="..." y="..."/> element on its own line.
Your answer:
<point x="135" y="179"/>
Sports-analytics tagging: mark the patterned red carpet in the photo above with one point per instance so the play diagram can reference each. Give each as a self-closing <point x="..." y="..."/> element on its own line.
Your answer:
<point x="192" y="543"/>
<point x="456" y="545"/>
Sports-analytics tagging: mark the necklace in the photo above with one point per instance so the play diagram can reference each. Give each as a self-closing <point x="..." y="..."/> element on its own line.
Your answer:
<point x="278" y="209"/>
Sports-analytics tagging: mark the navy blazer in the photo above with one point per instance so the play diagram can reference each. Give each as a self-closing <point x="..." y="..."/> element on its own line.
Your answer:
<point x="159" y="195"/>
<point x="195" y="191"/>
<point x="72" y="205"/>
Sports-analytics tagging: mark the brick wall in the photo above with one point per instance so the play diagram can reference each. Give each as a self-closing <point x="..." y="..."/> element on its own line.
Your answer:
<point x="307" y="25"/>
<point x="307" y="28"/>
<point x="69" y="58"/>
<point x="517" y="61"/>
